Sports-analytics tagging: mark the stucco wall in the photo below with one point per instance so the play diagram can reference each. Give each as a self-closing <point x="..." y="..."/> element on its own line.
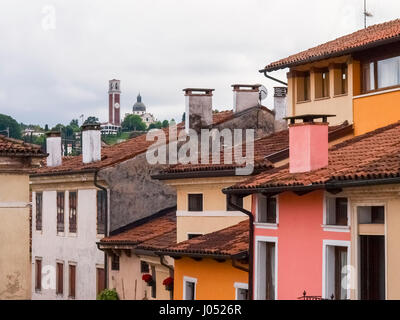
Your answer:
<point x="15" y="276"/>
<point x="79" y="248"/>
<point x="215" y="280"/>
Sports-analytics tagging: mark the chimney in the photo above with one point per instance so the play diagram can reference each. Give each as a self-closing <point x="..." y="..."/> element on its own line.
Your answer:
<point x="53" y="148"/>
<point x="198" y="112"/>
<point x="280" y="102"/>
<point x="91" y="142"/>
<point x="245" y="96"/>
<point x="308" y="143"/>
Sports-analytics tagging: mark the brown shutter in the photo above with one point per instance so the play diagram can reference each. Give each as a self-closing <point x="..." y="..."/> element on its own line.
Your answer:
<point x="38" y="285"/>
<point x="100" y="280"/>
<point x="72" y="281"/>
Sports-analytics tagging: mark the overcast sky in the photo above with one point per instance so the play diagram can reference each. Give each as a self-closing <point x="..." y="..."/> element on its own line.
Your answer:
<point x="55" y="67"/>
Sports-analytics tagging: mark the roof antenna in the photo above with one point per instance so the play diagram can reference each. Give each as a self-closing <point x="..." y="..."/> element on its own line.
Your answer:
<point x="366" y="14"/>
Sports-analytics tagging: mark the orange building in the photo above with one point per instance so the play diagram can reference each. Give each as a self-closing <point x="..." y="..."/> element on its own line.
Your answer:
<point x="355" y="77"/>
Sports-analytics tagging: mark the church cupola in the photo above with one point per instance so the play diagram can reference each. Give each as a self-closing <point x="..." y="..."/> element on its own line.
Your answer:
<point x="139" y="107"/>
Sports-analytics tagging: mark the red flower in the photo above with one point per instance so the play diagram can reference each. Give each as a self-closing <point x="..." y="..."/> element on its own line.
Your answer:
<point x="168" y="281"/>
<point x="147" y="277"/>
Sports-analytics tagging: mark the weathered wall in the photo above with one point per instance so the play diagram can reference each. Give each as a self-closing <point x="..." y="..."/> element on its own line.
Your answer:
<point x="134" y="194"/>
<point x="15" y="273"/>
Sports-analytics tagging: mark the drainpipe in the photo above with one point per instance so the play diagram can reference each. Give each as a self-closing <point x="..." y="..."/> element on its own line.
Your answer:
<point x="171" y="272"/>
<point x="251" y="242"/>
<point x="272" y="78"/>
<point x="105" y="228"/>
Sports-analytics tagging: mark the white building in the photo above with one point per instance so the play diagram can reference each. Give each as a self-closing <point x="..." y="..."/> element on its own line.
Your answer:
<point x="68" y="218"/>
<point x="139" y="109"/>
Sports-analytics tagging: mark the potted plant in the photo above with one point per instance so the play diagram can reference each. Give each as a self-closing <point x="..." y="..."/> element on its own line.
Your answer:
<point x="168" y="283"/>
<point x="148" y="278"/>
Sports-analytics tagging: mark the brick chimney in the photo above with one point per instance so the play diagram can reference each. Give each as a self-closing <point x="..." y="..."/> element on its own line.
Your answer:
<point x="245" y="96"/>
<point x="91" y="142"/>
<point x="53" y="148"/>
<point x="308" y="143"/>
<point x="198" y="112"/>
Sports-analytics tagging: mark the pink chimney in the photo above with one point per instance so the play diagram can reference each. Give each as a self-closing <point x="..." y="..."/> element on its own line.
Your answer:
<point x="308" y="143"/>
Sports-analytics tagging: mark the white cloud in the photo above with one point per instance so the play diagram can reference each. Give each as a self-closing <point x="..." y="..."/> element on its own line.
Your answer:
<point x="157" y="47"/>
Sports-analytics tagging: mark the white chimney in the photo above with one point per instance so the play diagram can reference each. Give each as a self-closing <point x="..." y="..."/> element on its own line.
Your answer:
<point x="198" y="112"/>
<point x="280" y="102"/>
<point x="245" y="96"/>
<point x="53" y="148"/>
<point x="91" y="142"/>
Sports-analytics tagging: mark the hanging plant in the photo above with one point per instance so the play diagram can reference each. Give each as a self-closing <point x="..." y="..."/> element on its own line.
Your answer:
<point x="168" y="283"/>
<point x="148" y="278"/>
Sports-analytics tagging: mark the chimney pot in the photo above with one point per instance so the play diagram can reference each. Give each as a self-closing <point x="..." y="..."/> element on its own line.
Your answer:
<point x="91" y="142"/>
<point x="53" y="148"/>
<point x="245" y="96"/>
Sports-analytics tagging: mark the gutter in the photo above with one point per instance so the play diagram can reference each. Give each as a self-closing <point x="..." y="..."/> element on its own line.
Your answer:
<point x="105" y="228"/>
<point x="251" y="244"/>
<point x="272" y="78"/>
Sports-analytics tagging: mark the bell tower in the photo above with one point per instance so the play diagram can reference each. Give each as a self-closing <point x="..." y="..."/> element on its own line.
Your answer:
<point x="114" y="93"/>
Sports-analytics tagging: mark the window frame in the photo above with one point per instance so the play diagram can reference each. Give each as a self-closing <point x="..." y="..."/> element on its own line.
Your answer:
<point x="59" y="278"/>
<point x="191" y="280"/>
<point x="202" y="202"/>
<point x="333" y="227"/>
<point x="38" y="274"/>
<point x="115" y="262"/>
<point x="267" y="225"/>
<point x="60" y="196"/>
<point x="75" y="220"/>
<point x="39" y="211"/>
<point x="243" y="286"/>
<point x="101" y="198"/>
<point x="304" y="76"/>
<point x="324" y="85"/>
<point x="71" y="293"/>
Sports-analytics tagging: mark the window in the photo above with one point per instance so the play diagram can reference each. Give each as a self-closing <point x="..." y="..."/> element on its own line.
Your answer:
<point x="72" y="211"/>
<point x="100" y="280"/>
<point x="322" y="83"/>
<point x="39" y="208"/>
<point x="154" y="286"/>
<point x="38" y="275"/>
<point x="60" y="211"/>
<point x="144" y="267"/>
<point x="381" y="73"/>
<point x="193" y="235"/>
<point x="101" y="211"/>
<point x="189" y="288"/>
<point x="340" y="79"/>
<point x="72" y="281"/>
<point x="241" y="291"/>
<point x="195" y="202"/>
<point x="266" y="209"/>
<point x="336" y="261"/>
<point x="60" y="278"/>
<point x="114" y="262"/>
<point x="336" y="211"/>
<point x="371" y="214"/>
<point x="303" y="86"/>
<point x="266" y="269"/>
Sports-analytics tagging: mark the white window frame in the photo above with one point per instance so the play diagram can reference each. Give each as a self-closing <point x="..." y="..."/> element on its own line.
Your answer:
<point x="334" y="243"/>
<point x="189" y="279"/>
<point x="335" y="228"/>
<point x="264" y="225"/>
<point x="240" y="285"/>
<point x="257" y="266"/>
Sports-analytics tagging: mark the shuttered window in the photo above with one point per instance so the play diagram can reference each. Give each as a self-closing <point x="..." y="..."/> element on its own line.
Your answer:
<point x="38" y="275"/>
<point x="60" y="278"/>
<point x="195" y="202"/>
<point x="60" y="211"/>
<point x="101" y="211"/>
<point x="100" y="280"/>
<point x="72" y="211"/>
<point x="39" y="208"/>
<point x="72" y="281"/>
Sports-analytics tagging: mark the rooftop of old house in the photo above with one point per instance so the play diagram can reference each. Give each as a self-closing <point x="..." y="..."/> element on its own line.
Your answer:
<point x="18" y="148"/>
<point x="370" y="37"/>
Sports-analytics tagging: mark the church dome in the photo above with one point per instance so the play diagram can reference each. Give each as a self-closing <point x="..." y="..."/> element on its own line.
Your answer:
<point x="139" y="105"/>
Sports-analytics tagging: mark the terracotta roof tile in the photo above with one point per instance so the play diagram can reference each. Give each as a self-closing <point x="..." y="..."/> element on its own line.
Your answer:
<point x="371" y="36"/>
<point x="14" y="147"/>
<point x="119" y="152"/>
<point x="230" y="241"/>
<point x="374" y="155"/>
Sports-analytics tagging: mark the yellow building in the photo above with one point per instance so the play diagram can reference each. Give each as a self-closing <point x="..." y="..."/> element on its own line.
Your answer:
<point x="355" y="77"/>
<point x="16" y="162"/>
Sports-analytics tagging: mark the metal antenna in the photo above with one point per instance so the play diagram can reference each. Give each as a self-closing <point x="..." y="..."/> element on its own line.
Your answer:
<point x="366" y="14"/>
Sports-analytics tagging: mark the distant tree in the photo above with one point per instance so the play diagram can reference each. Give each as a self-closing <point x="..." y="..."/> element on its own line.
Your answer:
<point x="133" y="122"/>
<point x="58" y="127"/>
<point x="13" y="126"/>
<point x="165" y="124"/>
<point x="46" y="127"/>
<point x="92" y="119"/>
<point x="74" y="125"/>
<point x="183" y="117"/>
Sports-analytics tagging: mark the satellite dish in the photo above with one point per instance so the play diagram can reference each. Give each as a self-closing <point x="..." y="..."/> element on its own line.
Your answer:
<point x="262" y="93"/>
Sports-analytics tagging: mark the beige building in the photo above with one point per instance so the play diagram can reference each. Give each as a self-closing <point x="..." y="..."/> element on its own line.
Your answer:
<point x="16" y="162"/>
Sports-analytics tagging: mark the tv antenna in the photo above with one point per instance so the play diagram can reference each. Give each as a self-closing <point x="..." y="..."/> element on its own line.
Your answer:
<point x="366" y="14"/>
<point x="262" y="93"/>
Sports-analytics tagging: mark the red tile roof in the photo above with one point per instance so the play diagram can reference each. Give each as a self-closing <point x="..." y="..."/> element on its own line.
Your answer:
<point x="155" y="232"/>
<point x="370" y="37"/>
<point x="263" y="147"/>
<point x="119" y="152"/>
<point x="374" y="155"/>
<point x="229" y="242"/>
<point x="14" y="147"/>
